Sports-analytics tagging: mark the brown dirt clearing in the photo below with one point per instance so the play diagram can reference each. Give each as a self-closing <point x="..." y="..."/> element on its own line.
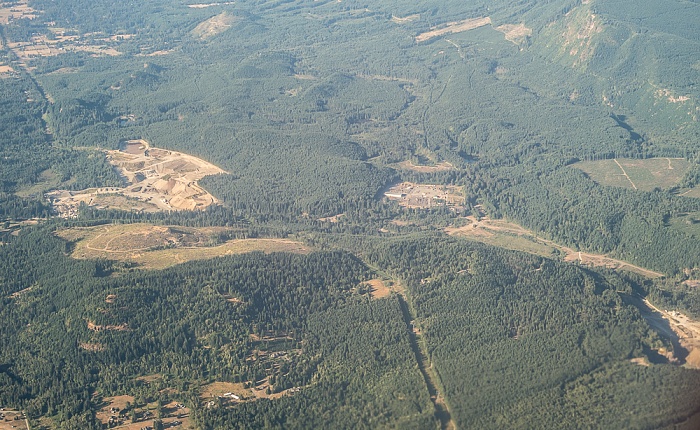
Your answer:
<point x="687" y="330"/>
<point x="10" y="423"/>
<point x="453" y="27"/>
<point x="515" y="33"/>
<point x="159" y="180"/>
<point x="218" y="389"/>
<point x="378" y="290"/>
<point x="423" y="196"/>
<point x="213" y="26"/>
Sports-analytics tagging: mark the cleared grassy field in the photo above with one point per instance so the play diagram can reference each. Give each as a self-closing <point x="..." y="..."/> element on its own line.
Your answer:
<point x="512" y="236"/>
<point x="157" y="247"/>
<point x="503" y="235"/>
<point x="688" y="223"/>
<point x="644" y="175"/>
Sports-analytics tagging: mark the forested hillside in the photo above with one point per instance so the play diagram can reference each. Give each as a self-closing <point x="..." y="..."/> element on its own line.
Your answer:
<point x="314" y="114"/>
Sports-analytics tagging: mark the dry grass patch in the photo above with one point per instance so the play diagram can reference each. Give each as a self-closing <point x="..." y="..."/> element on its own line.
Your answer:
<point x="378" y="290"/>
<point x="644" y="175"/>
<point x="442" y="166"/>
<point x="158" y="247"/>
<point x="453" y="27"/>
<point x="512" y="236"/>
<point x="641" y="361"/>
<point x="117" y="402"/>
<point x="6" y="71"/>
<point x="218" y="389"/>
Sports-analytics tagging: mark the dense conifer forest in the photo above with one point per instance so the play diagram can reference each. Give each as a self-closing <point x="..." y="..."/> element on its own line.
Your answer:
<point x="314" y="109"/>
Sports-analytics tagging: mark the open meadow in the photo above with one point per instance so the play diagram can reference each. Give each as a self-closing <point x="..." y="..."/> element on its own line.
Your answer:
<point x="643" y="174"/>
<point x="157" y="247"/>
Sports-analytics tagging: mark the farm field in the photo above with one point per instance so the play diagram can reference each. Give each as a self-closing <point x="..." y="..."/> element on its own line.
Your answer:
<point x="158" y="247"/>
<point x="159" y="180"/>
<point x="643" y="175"/>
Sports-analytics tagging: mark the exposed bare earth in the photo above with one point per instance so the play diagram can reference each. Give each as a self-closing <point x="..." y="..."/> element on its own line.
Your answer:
<point x="687" y="331"/>
<point x="453" y="27"/>
<point x="160" y="180"/>
<point x="578" y="37"/>
<point x="515" y="33"/>
<point x="425" y="196"/>
<point x="378" y="289"/>
<point x="484" y="229"/>
<point x="10" y="423"/>
<point x="158" y="247"/>
<point x="213" y="26"/>
<point x="6" y="71"/>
